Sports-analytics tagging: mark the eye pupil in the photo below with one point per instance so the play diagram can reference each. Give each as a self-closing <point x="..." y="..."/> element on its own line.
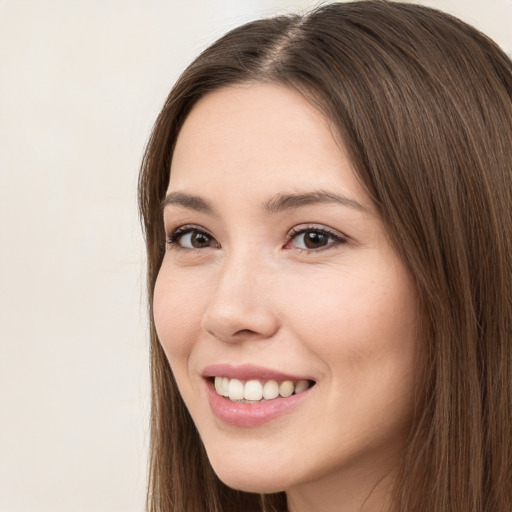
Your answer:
<point x="199" y="240"/>
<point x="314" y="239"/>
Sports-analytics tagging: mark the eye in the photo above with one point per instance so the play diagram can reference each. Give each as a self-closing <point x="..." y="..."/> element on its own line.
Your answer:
<point x="191" y="237"/>
<point x="314" y="238"/>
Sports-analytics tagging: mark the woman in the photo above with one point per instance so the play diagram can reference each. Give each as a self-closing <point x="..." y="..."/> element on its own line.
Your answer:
<point x="327" y="206"/>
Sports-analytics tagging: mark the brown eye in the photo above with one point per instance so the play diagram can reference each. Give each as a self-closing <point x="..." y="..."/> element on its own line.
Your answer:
<point x="189" y="238"/>
<point x="199" y="240"/>
<point x="315" y="240"/>
<point x="312" y="239"/>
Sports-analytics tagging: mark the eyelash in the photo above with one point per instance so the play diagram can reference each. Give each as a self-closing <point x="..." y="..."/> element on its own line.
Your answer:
<point x="180" y="232"/>
<point x="336" y="238"/>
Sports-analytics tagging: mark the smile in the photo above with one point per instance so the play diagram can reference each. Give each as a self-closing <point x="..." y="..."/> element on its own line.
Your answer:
<point x="250" y="396"/>
<point x="256" y="391"/>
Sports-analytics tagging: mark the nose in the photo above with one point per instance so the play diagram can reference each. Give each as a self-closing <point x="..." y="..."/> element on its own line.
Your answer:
<point x="241" y="306"/>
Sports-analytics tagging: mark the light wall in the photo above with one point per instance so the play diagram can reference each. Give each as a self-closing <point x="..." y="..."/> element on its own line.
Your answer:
<point x="81" y="83"/>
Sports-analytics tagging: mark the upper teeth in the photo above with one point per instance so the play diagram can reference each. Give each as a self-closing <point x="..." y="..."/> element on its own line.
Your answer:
<point x="255" y="390"/>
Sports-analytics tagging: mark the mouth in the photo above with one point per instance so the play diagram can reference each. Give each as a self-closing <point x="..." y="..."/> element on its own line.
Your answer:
<point x="250" y="396"/>
<point x="256" y="391"/>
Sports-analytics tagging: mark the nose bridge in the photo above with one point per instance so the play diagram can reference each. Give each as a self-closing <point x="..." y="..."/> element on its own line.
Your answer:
<point x="241" y="305"/>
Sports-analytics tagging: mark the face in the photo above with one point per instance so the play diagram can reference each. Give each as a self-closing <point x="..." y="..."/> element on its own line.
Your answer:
<point x="278" y="279"/>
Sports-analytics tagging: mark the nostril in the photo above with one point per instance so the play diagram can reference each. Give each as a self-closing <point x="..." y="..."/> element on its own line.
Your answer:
<point x="245" y="332"/>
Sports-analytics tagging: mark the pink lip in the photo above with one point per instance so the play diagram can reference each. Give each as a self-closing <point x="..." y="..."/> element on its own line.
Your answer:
<point x="248" y="372"/>
<point x="249" y="415"/>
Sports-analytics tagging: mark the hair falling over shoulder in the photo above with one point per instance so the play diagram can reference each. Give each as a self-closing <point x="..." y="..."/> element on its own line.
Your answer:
<point x="423" y="104"/>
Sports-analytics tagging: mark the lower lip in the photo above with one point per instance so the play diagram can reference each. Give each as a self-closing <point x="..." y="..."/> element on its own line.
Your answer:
<point x="251" y="415"/>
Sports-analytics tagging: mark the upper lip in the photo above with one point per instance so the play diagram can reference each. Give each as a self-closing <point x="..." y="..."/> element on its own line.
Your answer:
<point x="248" y="372"/>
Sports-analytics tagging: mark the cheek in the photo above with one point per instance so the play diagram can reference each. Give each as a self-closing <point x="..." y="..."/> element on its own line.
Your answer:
<point x="177" y="310"/>
<point x="360" y="320"/>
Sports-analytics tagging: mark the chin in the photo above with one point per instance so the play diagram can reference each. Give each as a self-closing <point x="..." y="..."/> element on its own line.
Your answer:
<point x="256" y="479"/>
<point x="247" y="484"/>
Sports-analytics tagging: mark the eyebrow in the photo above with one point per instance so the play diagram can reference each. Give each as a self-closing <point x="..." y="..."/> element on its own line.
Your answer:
<point x="279" y="203"/>
<point x="187" y="201"/>
<point x="283" y="202"/>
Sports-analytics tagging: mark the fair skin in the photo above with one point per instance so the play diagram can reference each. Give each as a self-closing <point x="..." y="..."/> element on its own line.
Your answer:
<point x="278" y="262"/>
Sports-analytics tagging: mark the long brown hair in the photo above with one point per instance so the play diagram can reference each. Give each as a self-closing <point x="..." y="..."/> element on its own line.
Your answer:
<point x="423" y="104"/>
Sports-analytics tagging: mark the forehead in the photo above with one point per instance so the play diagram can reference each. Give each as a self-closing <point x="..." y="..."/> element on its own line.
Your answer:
<point x="262" y="137"/>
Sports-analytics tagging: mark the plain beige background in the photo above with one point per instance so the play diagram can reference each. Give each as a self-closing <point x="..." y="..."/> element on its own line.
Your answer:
<point x="81" y="83"/>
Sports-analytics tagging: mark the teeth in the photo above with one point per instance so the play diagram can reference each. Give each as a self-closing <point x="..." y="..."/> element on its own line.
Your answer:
<point x="270" y="390"/>
<point x="286" y="388"/>
<point x="255" y="391"/>
<point x="225" y="386"/>
<point x="301" y="386"/>
<point x="235" y="390"/>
